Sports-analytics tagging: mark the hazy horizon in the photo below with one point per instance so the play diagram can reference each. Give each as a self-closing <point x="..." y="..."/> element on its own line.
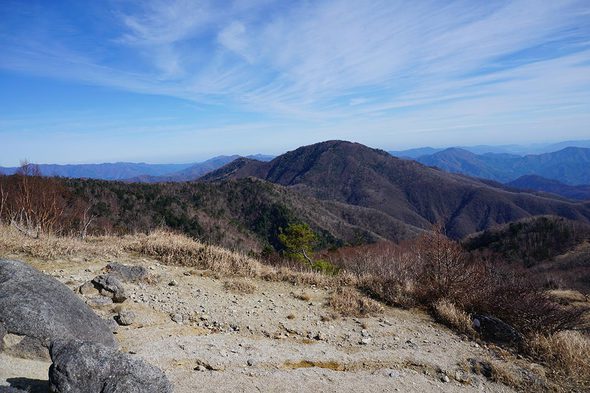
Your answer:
<point x="171" y="81"/>
<point x="176" y="160"/>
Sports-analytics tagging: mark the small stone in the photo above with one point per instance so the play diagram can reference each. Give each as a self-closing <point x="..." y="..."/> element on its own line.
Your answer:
<point x="365" y="333"/>
<point x="173" y="283"/>
<point x="366" y="341"/>
<point x="176" y="318"/>
<point x="251" y="362"/>
<point x="200" y="367"/>
<point x="444" y="378"/>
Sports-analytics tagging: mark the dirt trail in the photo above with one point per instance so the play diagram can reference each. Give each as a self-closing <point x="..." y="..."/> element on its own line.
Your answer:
<point x="209" y="339"/>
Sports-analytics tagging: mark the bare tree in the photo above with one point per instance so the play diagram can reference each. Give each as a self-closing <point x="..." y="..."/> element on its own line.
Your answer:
<point x="3" y="202"/>
<point x="445" y="269"/>
<point x="85" y="222"/>
<point x="38" y="205"/>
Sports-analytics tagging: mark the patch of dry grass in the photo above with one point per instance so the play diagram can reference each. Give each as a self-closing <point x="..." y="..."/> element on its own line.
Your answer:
<point x="168" y="247"/>
<point x="304" y="296"/>
<point x="349" y="302"/>
<point x="48" y="247"/>
<point x="240" y="286"/>
<point x="447" y="313"/>
<point x="494" y="370"/>
<point x="567" y="354"/>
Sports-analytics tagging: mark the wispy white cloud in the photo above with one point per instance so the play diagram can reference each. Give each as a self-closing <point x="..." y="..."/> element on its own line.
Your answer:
<point x="387" y="61"/>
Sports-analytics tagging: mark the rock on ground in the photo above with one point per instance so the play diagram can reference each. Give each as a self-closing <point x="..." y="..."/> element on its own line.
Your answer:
<point x="495" y="330"/>
<point x="93" y="368"/>
<point x="127" y="273"/>
<point x="36" y="309"/>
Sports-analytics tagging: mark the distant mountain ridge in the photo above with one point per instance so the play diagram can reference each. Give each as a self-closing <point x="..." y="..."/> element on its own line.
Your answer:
<point x="197" y="170"/>
<point x="521" y="150"/>
<point x="570" y="165"/>
<point x="538" y="183"/>
<point x="405" y="190"/>
<point x="105" y="171"/>
<point x="135" y="172"/>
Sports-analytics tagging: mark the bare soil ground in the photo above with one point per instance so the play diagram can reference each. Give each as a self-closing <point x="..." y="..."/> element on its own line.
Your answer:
<point x="209" y="337"/>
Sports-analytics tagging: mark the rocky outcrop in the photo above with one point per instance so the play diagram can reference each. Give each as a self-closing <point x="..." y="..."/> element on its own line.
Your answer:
<point x="36" y="309"/>
<point x="93" y="368"/>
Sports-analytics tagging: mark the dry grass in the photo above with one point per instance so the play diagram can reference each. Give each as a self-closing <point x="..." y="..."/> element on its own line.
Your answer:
<point x="494" y="370"/>
<point x="12" y="242"/>
<point x="240" y="286"/>
<point x="167" y="247"/>
<point x="304" y="296"/>
<point x="447" y="313"/>
<point x="567" y="353"/>
<point x="349" y="302"/>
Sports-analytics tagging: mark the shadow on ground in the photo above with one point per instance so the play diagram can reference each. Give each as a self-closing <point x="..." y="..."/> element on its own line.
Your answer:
<point x="25" y="384"/>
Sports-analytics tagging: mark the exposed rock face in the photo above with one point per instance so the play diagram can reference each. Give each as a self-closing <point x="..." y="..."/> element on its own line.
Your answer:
<point x="82" y="367"/>
<point x="36" y="309"/>
<point x="495" y="330"/>
<point x="127" y="273"/>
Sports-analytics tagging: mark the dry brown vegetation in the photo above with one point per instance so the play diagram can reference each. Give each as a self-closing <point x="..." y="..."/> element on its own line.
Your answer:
<point x="447" y="313"/>
<point x="167" y="247"/>
<point x="568" y="353"/>
<point x="240" y="286"/>
<point x="349" y="302"/>
<point x="37" y="205"/>
<point x="434" y="273"/>
<point x="304" y="296"/>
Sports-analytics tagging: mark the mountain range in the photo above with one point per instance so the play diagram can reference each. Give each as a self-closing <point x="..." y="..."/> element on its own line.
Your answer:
<point x="346" y="192"/>
<point x="106" y="171"/>
<point x="403" y="190"/>
<point x="570" y="165"/>
<point x="535" y="148"/>
<point x="135" y="172"/>
<point x="538" y="183"/>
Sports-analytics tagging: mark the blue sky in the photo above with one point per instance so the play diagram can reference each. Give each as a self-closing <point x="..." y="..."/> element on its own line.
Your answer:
<point x="176" y="81"/>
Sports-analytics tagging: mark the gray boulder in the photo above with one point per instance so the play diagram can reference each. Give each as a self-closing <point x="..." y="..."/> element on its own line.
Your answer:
<point x="111" y="286"/>
<point x="125" y="273"/>
<point x="36" y="309"/>
<point x="82" y="367"/>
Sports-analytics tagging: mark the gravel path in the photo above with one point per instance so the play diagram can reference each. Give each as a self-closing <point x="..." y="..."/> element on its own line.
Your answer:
<point x="209" y="339"/>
